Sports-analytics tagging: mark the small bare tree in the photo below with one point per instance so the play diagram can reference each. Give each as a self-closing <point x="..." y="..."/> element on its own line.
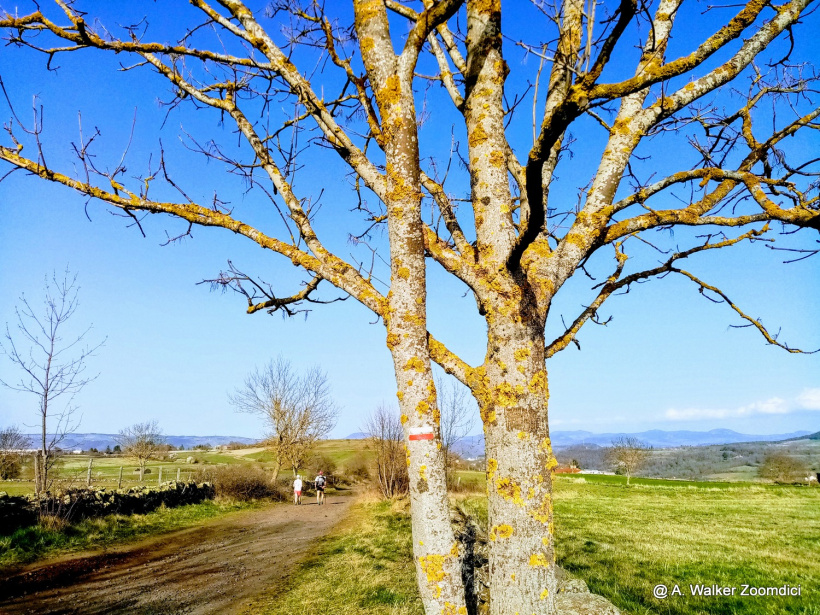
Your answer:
<point x="783" y="468"/>
<point x="387" y="439"/>
<point x="143" y="442"/>
<point x="456" y="420"/>
<point x="628" y="454"/>
<point x="12" y="445"/>
<point x="53" y="366"/>
<point x="298" y="410"/>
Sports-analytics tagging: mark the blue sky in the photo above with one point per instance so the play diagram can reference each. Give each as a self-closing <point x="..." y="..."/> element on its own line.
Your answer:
<point x="175" y="349"/>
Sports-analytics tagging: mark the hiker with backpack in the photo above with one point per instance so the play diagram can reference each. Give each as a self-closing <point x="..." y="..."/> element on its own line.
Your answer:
<point x="320" y="483"/>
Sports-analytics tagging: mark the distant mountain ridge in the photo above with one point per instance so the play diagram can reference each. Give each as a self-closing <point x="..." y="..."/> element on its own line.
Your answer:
<point x="813" y="436"/>
<point x="85" y="441"/>
<point x="472" y="446"/>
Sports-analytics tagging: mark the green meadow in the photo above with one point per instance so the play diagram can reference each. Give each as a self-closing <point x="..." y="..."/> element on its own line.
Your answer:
<point x="623" y="541"/>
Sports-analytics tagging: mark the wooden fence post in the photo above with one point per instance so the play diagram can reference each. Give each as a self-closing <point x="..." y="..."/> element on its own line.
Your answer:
<point x="37" y="473"/>
<point x="159" y="476"/>
<point x="119" y="480"/>
<point x="88" y="478"/>
<point x="178" y="471"/>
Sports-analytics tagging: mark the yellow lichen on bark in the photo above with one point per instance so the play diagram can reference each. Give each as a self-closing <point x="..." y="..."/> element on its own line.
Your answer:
<point x="508" y="489"/>
<point x="390" y="94"/>
<point x="497" y="159"/>
<point x="522" y="354"/>
<point x="500" y="532"/>
<point x="539" y="559"/>
<point x="492" y="466"/>
<point x="433" y="566"/>
<point x="414" y="363"/>
<point x="543" y="512"/>
<point x="505" y="396"/>
<point x="478" y="136"/>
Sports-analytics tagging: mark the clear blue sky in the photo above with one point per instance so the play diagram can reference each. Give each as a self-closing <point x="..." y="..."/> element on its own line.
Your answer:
<point x="668" y="359"/>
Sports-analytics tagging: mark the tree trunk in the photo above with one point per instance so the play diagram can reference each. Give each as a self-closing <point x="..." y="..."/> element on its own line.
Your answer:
<point x="44" y="449"/>
<point x="37" y="473"/>
<point x="276" y="469"/>
<point x="513" y="401"/>
<point x="436" y="551"/>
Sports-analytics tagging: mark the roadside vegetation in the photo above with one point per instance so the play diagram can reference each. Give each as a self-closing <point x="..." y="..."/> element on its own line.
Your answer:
<point x="39" y="541"/>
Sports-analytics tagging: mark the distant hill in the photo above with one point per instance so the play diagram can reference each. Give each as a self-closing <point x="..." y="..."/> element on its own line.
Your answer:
<point x="473" y="446"/>
<point x="813" y="436"/>
<point x="85" y="441"/>
<point x="359" y="435"/>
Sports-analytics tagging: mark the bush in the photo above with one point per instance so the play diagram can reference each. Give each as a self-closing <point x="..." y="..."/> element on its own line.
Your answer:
<point x="358" y="469"/>
<point x="10" y="466"/>
<point x="241" y="482"/>
<point x="322" y="462"/>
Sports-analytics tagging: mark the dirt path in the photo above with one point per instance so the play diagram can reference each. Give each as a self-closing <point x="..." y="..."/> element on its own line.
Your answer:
<point x="216" y="567"/>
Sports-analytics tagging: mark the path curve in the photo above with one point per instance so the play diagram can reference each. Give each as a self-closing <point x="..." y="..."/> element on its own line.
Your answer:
<point x="216" y="567"/>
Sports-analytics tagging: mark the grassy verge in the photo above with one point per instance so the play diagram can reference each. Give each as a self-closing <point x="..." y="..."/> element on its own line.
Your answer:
<point x="364" y="567"/>
<point x="624" y="541"/>
<point x="33" y="543"/>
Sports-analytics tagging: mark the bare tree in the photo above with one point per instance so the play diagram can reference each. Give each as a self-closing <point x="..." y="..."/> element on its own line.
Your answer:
<point x="53" y="366"/>
<point x="783" y="468"/>
<point x="298" y="410"/>
<point x="456" y="420"/>
<point x="386" y="436"/>
<point x="143" y="442"/>
<point x="13" y="444"/>
<point x="685" y="155"/>
<point x="628" y="454"/>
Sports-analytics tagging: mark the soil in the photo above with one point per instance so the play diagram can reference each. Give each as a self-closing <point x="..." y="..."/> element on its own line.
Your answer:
<point x="216" y="567"/>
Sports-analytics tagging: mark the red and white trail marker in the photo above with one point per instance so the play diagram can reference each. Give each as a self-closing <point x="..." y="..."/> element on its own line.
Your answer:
<point x="421" y="433"/>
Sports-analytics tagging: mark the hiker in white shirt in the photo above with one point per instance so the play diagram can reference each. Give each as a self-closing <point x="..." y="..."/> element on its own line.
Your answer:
<point x="297" y="490"/>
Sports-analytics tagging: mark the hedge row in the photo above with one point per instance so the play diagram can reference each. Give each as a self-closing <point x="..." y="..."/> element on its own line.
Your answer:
<point x="75" y="504"/>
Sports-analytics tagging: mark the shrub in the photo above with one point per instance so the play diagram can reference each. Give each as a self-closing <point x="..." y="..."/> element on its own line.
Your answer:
<point x="358" y="469"/>
<point x="241" y="482"/>
<point x="322" y="462"/>
<point x="10" y="466"/>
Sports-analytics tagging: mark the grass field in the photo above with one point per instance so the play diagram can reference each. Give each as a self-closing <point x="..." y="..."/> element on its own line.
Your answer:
<point x="624" y="541"/>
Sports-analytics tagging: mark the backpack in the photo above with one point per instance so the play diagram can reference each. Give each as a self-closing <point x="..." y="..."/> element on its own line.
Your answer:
<point x="320" y="481"/>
